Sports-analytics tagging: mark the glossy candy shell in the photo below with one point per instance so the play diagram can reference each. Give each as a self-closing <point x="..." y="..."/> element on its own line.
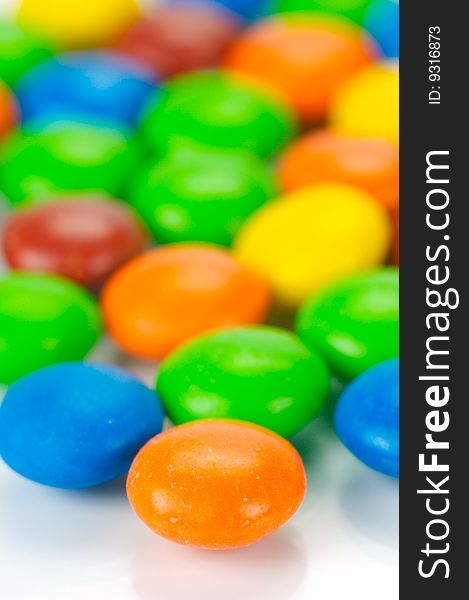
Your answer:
<point x="46" y="160"/>
<point x="216" y="484"/>
<point x="44" y="319"/>
<point x="220" y="110"/>
<point x="81" y="85"/>
<point x="84" y="239"/>
<point x="313" y="237"/>
<point x="201" y="194"/>
<point x="166" y="296"/>
<point x="258" y="374"/>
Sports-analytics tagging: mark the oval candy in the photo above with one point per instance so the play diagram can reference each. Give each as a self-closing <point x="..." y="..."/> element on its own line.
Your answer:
<point x="313" y="237"/>
<point x="216" y="484"/>
<point x="59" y="158"/>
<point x="306" y="58"/>
<point x="76" y="426"/>
<point x="86" y="85"/>
<point x="263" y="375"/>
<point x="201" y="194"/>
<point x="175" y="38"/>
<point x="84" y="239"/>
<point x="220" y="110"/>
<point x="164" y="297"/>
<point x="44" y="319"/>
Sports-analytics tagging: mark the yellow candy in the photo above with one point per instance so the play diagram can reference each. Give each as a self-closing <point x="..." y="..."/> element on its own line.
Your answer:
<point x="368" y="104"/>
<point x="313" y="237"/>
<point x="79" y="23"/>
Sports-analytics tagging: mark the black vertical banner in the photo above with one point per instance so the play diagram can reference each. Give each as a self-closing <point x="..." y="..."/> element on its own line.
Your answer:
<point x="434" y="225"/>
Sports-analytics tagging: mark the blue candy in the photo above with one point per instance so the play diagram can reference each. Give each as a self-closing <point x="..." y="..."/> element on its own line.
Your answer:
<point x="86" y="85"/>
<point x="76" y="425"/>
<point x="382" y="22"/>
<point x="367" y="417"/>
<point x="247" y="9"/>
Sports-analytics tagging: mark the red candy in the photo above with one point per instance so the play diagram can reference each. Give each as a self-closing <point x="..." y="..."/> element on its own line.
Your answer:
<point x="174" y="39"/>
<point x="84" y="240"/>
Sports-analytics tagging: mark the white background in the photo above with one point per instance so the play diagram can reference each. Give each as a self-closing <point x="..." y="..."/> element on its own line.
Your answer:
<point x="343" y="543"/>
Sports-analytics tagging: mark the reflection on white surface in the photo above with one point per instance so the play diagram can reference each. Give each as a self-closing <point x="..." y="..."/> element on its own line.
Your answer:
<point x="370" y="503"/>
<point x="275" y="567"/>
<point x="60" y="545"/>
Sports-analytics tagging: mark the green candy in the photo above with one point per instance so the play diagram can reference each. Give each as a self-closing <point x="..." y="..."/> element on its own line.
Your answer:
<point x="351" y="9"/>
<point x="221" y="110"/>
<point x="63" y="158"/>
<point x="20" y="50"/>
<point x="354" y="324"/>
<point x="44" y="319"/>
<point x="201" y="194"/>
<point x="263" y="375"/>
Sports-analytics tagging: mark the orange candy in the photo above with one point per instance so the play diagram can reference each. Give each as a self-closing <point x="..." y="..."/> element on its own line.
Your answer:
<point x="216" y="484"/>
<point x="169" y="295"/>
<point x="307" y="58"/>
<point x="326" y="157"/>
<point x="8" y="110"/>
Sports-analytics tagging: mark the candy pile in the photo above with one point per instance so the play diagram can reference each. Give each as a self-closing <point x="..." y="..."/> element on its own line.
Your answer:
<point x="184" y="179"/>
